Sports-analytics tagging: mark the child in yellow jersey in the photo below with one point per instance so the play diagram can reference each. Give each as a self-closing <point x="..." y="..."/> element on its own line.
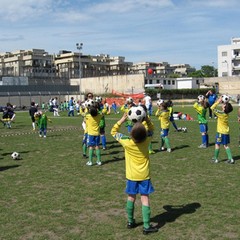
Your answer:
<point x="222" y="135"/>
<point x="137" y="170"/>
<point x="83" y="111"/>
<point x="163" y="115"/>
<point x="93" y="119"/>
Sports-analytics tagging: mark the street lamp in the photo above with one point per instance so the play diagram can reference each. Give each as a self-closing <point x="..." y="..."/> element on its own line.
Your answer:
<point x="79" y="47"/>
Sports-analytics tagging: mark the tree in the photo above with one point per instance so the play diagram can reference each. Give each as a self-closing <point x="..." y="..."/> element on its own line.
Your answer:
<point x="206" y="71"/>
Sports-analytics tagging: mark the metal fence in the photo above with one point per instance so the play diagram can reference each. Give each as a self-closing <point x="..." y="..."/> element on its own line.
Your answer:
<point x="21" y="96"/>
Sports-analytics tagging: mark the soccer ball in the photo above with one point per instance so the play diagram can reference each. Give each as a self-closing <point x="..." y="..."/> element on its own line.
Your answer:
<point x="129" y="100"/>
<point x="201" y="98"/>
<point x="136" y="114"/>
<point x="184" y="129"/>
<point x="225" y="98"/>
<point x="159" y="102"/>
<point x="15" y="156"/>
<point x="98" y="99"/>
<point x="89" y="103"/>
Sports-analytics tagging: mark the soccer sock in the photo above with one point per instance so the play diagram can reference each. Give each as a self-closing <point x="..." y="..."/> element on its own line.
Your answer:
<point x="130" y="211"/>
<point x="207" y="139"/>
<point x="204" y="139"/>
<point x="216" y="153"/>
<point x="229" y="154"/>
<point x="146" y="212"/>
<point x="84" y="148"/>
<point x="33" y="125"/>
<point x="174" y="125"/>
<point x="104" y="141"/>
<point x="162" y="142"/>
<point x="167" y="142"/>
<point x="150" y="146"/>
<point x="90" y="152"/>
<point x="98" y="153"/>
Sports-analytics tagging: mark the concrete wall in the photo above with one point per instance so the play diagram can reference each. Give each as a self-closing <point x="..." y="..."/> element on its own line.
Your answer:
<point x="120" y="83"/>
<point x="227" y="85"/>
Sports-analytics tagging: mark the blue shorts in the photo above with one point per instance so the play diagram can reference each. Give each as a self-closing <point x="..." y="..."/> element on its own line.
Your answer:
<point x="222" y="139"/>
<point x="203" y="128"/>
<point x="164" y="132"/>
<point x="93" y="141"/>
<point x="143" y="187"/>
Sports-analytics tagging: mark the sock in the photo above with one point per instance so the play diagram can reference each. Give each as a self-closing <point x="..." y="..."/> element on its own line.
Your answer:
<point x="130" y="211"/>
<point x="84" y="149"/>
<point x="167" y="142"/>
<point x="104" y="141"/>
<point x="216" y="153"/>
<point x="150" y="146"/>
<point x="204" y="139"/>
<point x="229" y="154"/>
<point x="146" y="212"/>
<point x="162" y="142"/>
<point x="174" y="125"/>
<point x="90" y="152"/>
<point x="33" y="125"/>
<point x="98" y="153"/>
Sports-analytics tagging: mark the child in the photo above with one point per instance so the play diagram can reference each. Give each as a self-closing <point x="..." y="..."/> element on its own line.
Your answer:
<point x="170" y="108"/>
<point x="32" y="110"/>
<point x="125" y="108"/>
<point x="42" y="123"/>
<point x="163" y="116"/>
<point x="93" y="134"/>
<point x="137" y="170"/>
<point x="114" y="107"/>
<point x="222" y="135"/>
<point x="83" y="112"/>
<point x="8" y="115"/>
<point x="201" y="107"/>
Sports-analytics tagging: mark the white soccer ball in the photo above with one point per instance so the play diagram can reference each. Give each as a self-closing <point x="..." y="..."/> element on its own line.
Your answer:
<point x="98" y="99"/>
<point x="184" y="129"/>
<point x="136" y="114"/>
<point x="89" y="103"/>
<point x="201" y="98"/>
<point x="129" y="100"/>
<point x="15" y="156"/>
<point x="159" y="102"/>
<point x="225" y="98"/>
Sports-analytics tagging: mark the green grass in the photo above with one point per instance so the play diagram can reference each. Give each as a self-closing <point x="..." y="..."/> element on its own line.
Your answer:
<point x="51" y="194"/>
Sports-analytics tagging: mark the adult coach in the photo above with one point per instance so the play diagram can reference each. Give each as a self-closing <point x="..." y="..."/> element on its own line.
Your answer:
<point x="148" y="103"/>
<point x="212" y="97"/>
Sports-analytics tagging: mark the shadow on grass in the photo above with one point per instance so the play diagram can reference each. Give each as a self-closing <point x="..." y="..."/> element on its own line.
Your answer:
<point x="114" y="159"/>
<point x="8" y="167"/>
<point x="173" y="212"/>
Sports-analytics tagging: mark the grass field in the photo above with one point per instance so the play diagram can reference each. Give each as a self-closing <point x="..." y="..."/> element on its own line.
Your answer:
<point x="51" y="194"/>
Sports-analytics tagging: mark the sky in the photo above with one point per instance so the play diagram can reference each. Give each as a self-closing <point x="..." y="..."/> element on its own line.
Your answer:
<point x="173" y="31"/>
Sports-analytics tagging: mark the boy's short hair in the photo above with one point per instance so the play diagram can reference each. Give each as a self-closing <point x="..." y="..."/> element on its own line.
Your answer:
<point x="228" y="108"/>
<point x="138" y="132"/>
<point x="93" y="111"/>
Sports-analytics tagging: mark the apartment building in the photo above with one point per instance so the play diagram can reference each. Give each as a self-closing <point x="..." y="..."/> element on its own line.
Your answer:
<point x="229" y="59"/>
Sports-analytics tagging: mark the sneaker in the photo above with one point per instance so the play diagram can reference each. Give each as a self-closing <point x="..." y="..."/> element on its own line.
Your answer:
<point x="131" y="225"/>
<point x="85" y="156"/>
<point x="89" y="163"/>
<point x="202" y="146"/>
<point x="104" y="148"/>
<point x="151" y="229"/>
<point x="40" y="135"/>
<point x="215" y="160"/>
<point x="162" y="149"/>
<point x="44" y="136"/>
<point x="99" y="163"/>
<point x="230" y="161"/>
<point x="151" y="152"/>
<point x="169" y="150"/>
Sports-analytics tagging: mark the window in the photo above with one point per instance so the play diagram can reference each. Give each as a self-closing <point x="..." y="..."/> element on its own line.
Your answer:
<point x="158" y="81"/>
<point x="173" y="82"/>
<point x="164" y="82"/>
<point x="150" y="81"/>
<point x="224" y="54"/>
<point x="169" y="82"/>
